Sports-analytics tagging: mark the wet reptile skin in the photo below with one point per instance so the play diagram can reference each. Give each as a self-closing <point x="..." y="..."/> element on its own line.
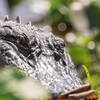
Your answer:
<point x="39" y="54"/>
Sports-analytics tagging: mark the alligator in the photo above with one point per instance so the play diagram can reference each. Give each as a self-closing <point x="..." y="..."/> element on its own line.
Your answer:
<point x="41" y="55"/>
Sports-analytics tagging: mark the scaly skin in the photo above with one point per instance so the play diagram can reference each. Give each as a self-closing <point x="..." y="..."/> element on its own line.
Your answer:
<point x="38" y="54"/>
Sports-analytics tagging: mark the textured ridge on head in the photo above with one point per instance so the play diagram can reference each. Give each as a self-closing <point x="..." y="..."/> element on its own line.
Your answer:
<point x="18" y="19"/>
<point x="6" y="18"/>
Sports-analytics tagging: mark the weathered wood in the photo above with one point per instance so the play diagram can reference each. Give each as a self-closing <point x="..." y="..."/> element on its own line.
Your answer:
<point x="39" y="54"/>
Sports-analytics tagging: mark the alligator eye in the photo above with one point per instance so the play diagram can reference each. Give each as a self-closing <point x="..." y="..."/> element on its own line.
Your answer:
<point x="22" y="43"/>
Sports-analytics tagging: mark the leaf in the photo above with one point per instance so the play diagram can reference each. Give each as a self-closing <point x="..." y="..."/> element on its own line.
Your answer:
<point x="88" y="74"/>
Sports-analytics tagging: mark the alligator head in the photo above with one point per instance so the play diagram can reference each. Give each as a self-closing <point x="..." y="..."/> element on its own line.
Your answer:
<point x="39" y="54"/>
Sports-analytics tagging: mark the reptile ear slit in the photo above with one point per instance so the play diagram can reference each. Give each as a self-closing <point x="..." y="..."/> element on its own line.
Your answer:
<point x="6" y="18"/>
<point x="18" y="19"/>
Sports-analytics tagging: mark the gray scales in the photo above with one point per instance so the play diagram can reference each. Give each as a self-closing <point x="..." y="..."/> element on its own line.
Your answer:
<point x="39" y="54"/>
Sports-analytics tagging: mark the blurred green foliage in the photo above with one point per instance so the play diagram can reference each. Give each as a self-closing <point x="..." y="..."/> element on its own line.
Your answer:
<point x="16" y="86"/>
<point x="76" y="51"/>
<point x="93" y="13"/>
<point x="59" y="12"/>
<point x="55" y="13"/>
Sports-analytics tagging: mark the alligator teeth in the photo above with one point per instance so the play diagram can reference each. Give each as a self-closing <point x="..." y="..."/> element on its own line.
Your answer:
<point x="18" y="19"/>
<point x="6" y="18"/>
